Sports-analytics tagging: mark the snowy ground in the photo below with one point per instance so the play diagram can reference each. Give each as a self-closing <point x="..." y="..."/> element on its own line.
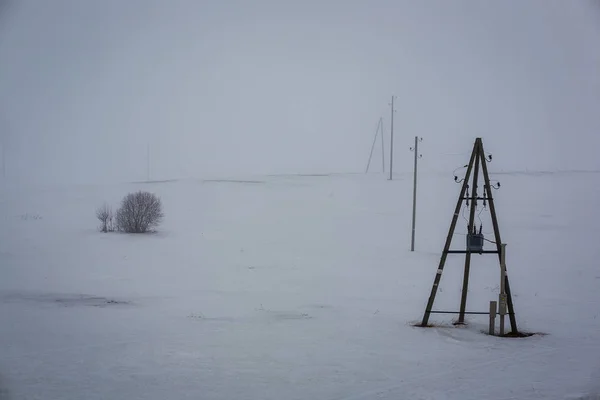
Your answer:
<point x="295" y="287"/>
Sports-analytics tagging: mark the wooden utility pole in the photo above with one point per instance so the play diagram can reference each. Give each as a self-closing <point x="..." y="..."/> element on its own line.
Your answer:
<point x="414" y="211"/>
<point x="477" y="159"/>
<point x="392" y="139"/>
<point x="382" y="146"/>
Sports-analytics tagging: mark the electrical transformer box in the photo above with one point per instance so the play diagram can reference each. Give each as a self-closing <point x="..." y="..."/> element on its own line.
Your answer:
<point x="475" y="242"/>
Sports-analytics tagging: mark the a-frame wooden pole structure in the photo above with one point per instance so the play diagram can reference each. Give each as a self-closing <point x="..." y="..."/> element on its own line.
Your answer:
<point x="477" y="159"/>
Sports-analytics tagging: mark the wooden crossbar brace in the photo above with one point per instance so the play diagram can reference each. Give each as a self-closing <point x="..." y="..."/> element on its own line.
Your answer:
<point x="458" y="312"/>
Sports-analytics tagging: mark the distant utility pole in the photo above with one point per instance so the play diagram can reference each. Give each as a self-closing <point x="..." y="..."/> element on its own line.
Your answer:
<point x="382" y="147"/>
<point x="148" y="163"/>
<point x="414" y="212"/>
<point x="392" y="139"/>
<point x="3" y="161"/>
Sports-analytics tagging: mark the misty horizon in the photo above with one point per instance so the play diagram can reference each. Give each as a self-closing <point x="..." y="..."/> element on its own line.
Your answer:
<point x="219" y="89"/>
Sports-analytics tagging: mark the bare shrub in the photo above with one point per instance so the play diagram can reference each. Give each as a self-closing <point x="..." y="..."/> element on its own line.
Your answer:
<point x="139" y="212"/>
<point x="105" y="216"/>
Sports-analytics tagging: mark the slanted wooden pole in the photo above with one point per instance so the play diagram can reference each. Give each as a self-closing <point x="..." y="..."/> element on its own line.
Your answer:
<point x="440" y="269"/>
<point x="498" y="240"/>
<point x="373" y="146"/>
<point x="502" y="297"/>
<point x="471" y="229"/>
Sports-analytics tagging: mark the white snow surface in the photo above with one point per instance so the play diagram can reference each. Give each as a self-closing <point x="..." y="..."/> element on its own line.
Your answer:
<point x="296" y="287"/>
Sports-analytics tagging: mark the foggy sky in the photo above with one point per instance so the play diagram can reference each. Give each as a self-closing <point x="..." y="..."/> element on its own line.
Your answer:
<point x="235" y="87"/>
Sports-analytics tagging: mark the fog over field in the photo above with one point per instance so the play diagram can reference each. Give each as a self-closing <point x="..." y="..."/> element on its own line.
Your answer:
<point x="221" y="88"/>
<point x="280" y="269"/>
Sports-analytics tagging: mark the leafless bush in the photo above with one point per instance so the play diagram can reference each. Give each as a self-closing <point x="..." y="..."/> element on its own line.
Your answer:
<point x="139" y="212"/>
<point x="105" y="216"/>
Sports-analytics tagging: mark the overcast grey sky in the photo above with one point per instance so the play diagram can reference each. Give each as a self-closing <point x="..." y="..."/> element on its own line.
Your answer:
<point x="229" y="87"/>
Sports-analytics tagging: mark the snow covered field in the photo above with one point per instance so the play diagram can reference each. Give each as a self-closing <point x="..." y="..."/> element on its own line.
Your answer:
<point x="296" y="287"/>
